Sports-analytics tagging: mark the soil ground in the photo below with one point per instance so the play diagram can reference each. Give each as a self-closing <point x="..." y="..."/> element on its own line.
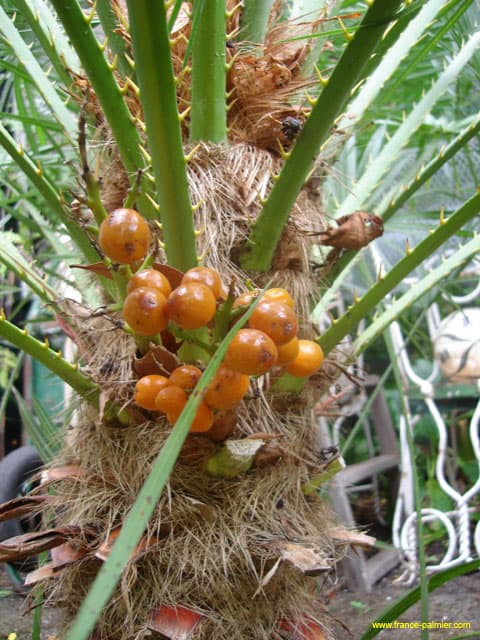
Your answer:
<point x="456" y="601"/>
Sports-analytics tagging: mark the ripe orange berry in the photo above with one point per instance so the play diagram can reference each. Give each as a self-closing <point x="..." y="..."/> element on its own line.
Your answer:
<point x="251" y="352"/>
<point x="150" y="278"/>
<point x="308" y="360"/>
<point x="288" y="352"/>
<point x="146" y="390"/>
<point x="203" y="419"/>
<point x="145" y="310"/>
<point x="171" y="399"/>
<point x="191" y="305"/>
<point x="186" y="376"/>
<point x="206" y="276"/>
<point x="276" y="319"/>
<point x="226" y="389"/>
<point x="124" y="236"/>
<point x="277" y="294"/>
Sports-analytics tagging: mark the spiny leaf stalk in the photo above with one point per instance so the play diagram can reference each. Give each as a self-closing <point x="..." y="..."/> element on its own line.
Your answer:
<point x="49" y="193"/>
<point x="51" y="359"/>
<point x="266" y="233"/>
<point x="149" y="31"/>
<point x="209" y="113"/>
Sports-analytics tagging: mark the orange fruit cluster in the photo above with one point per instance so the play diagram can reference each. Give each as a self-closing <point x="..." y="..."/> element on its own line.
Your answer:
<point x="169" y="395"/>
<point x="269" y="338"/>
<point x="151" y="303"/>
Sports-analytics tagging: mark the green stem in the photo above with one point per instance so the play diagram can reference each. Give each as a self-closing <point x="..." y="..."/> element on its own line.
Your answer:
<point x="50" y="25"/>
<point x="223" y="318"/>
<point x="35" y="174"/>
<point x="121" y="276"/>
<point x="94" y="198"/>
<point x="116" y="42"/>
<point x="148" y="27"/>
<point x="379" y="166"/>
<point x="133" y="192"/>
<point x="267" y="231"/>
<point x="391" y="38"/>
<point x="52" y="360"/>
<point x="7" y="389"/>
<point x="112" y="101"/>
<point x="209" y="73"/>
<point x="174" y="14"/>
<point x="191" y="338"/>
<point x="15" y="262"/>
<point x="254" y="20"/>
<point x="92" y="187"/>
<point x="317" y="481"/>
<point x="346" y="323"/>
<point x="422" y="562"/>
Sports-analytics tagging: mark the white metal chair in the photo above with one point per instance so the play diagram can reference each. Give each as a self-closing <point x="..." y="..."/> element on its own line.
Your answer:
<point x="462" y="537"/>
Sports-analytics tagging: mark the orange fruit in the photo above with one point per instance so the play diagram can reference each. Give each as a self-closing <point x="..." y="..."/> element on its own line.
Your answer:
<point x="124" y="236"/>
<point x="206" y="276"/>
<point x="276" y="319"/>
<point x="288" y="351"/>
<point x="251" y="352"/>
<point x="145" y="311"/>
<point x="277" y="294"/>
<point x="171" y="399"/>
<point x="203" y="419"/>
<point x="308" y="360"/>
<point x="146" y="390"/>
<point x="191" y="305"/>
<point x="226" y="389"/>
<point x="186" y="376"/>
<point x="150" y="278"/>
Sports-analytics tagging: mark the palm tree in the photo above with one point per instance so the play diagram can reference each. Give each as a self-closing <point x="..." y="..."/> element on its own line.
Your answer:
<point x="215" y="122"/>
